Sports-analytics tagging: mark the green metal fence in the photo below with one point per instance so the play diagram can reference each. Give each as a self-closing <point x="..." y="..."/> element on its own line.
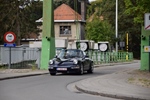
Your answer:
<point x="110" y="57"/>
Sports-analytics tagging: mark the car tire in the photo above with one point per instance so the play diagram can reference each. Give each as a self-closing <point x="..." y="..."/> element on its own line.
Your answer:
<point x="91" y="68"/>
<point x="52" y="74"/>
<point x="81" y="69"/>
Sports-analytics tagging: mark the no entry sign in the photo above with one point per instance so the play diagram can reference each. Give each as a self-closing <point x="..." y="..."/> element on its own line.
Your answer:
<point x="9" y="37"/>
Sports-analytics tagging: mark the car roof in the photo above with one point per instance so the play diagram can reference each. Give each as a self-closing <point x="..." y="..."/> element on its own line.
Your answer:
<point x="72" y="49"/>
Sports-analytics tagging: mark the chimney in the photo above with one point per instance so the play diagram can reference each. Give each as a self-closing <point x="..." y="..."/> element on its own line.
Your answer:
<point x="83" y="9"/>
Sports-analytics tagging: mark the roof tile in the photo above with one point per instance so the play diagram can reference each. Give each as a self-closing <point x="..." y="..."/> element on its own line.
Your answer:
<point x="64" y="12"/>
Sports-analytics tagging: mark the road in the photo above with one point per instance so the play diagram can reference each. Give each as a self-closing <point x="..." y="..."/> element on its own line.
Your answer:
<point x="46" y="87"/>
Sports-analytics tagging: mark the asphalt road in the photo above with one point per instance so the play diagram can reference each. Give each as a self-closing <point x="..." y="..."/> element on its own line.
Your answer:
<point x="46" y="87"/>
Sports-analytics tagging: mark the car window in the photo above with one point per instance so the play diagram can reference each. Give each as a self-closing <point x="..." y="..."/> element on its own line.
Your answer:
<point x="70" y="54"/>
<point x="84" y="53"/>
<point x="62" y="54"/>
<point x="80" y="54"/>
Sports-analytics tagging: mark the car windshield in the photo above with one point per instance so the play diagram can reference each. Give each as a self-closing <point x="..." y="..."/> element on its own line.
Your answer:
<point x="70" y="54"/>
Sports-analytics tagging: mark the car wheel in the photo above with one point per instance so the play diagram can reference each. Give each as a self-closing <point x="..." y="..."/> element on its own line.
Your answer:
<point x="91" y="68"/>
<point x="52" y="74"/>
<point x="81" y="69"/>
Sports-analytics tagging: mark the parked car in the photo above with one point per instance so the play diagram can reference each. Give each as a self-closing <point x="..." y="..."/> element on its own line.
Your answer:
<point x="71" y="61"/>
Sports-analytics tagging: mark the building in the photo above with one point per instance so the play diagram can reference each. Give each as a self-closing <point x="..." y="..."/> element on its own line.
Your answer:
<point x="68" y="24"/>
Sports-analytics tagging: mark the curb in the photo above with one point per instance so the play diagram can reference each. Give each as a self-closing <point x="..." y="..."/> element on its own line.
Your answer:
<point x="113" y="64"/>
<point x="116" y="96"/>
<point x="106" y="94"/>
<point x="25" y="75"/>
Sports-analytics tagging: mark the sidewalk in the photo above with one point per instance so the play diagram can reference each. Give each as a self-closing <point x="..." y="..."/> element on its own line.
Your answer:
<point x="17" y="73"/>
<point x="114" y="85"/>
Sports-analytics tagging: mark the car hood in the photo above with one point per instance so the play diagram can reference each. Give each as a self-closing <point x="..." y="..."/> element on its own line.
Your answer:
<point x="60" y="61"/>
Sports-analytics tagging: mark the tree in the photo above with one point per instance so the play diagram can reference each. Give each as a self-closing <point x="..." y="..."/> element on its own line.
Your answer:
<point x="97" y="27"/>
<point x="17" y="16"/>
<point x="137" y="8"/>
<point x="126" y="19"/>
<point x="33" y="12"/>
<point x="99" y="30"/>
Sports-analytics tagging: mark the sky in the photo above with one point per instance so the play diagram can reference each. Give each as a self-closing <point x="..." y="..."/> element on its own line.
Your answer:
<point x="91" y="0"/>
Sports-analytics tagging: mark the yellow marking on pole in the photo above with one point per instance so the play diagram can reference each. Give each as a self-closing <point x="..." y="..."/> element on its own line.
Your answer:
<point x="127" y="38"/>
<point x="127" y="45"/>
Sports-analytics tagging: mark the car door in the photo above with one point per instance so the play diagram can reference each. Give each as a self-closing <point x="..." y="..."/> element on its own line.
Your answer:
<point x="86" y="61"/>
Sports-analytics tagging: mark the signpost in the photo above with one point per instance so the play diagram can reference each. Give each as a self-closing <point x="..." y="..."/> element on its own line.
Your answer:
<point x="145" y="43"/>
<point x="146" y="48"/>
<point x="9" y="44"/>
<point x="9" y="39"/>
<point x="147" y="21"/>
<point x="147" y="27"/>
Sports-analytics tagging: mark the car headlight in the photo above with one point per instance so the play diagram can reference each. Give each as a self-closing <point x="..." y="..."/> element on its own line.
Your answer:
<point x="51" y="62"/>
<point x="75" y="61"/>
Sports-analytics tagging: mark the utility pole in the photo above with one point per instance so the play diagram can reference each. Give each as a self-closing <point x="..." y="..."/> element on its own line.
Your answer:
<point x="116" y="25"/>
<point x="145" y="44"/>
<point x="48" y="37"/>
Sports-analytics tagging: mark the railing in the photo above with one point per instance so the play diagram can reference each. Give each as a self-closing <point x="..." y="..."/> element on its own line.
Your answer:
<point x="110" y="57"/>
<point x="25" y="57"/>
<point x="21" y="57"/>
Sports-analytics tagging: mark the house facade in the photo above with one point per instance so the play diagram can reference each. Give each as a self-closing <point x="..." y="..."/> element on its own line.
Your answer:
<point x="68" y="24"/>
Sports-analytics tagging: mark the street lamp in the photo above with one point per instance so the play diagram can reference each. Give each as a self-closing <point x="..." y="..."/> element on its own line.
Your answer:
<point x="116" y="25"/>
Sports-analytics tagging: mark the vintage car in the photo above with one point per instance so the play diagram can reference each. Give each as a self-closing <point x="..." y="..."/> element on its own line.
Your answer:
<point x="71" y="61"/>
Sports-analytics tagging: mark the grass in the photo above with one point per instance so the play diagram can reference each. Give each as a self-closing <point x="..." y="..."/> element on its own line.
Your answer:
<point x="34" y="66"/>
<point x="139" y="77"/>
<point x="131" y="79"/>
<point x="2" y="67"/>
<point x="145" y="82"/>
<point x="21" y="65"/>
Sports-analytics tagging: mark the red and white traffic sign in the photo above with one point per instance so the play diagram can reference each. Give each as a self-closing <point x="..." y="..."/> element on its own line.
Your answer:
<point x="147" y="21"/>
<point x="9" y="37"/>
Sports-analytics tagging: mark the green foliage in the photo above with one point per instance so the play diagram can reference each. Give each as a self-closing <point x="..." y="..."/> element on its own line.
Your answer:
<point x="19" y="17"/>
<point x="130" y="17"/>
<point x="98" y="30"/>
<point x="137" y="8"/>
<point x="99" y="23"/>
<point x="34" y="66"/>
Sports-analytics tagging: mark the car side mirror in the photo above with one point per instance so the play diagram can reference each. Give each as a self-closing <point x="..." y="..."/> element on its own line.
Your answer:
<point x="86" y="56"/>
<point x="56" y="56"/>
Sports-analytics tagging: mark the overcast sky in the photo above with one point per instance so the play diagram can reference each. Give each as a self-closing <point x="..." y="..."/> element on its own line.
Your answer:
<point x="91" y="0"/>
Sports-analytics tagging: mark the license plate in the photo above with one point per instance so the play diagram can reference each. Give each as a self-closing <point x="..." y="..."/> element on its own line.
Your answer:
<point x="61" y="68"/>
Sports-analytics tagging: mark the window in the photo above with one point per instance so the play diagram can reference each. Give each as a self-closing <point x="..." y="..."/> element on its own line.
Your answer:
<point x="65" y="30"/>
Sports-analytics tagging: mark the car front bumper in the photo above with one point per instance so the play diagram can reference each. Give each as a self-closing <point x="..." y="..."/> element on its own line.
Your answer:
<point x="64" y="69"/>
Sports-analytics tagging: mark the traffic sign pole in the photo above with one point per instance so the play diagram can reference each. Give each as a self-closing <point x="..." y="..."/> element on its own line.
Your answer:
<point x="149" y="54"/>
<point x="9" y="66"/>
<point x="9" y="39"/>
<point x="145" y="50"/>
